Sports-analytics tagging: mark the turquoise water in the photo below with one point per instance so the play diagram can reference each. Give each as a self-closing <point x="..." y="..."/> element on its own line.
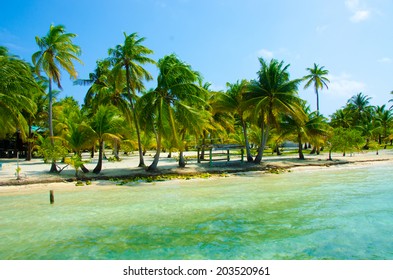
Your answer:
<point x="331" y="213"/>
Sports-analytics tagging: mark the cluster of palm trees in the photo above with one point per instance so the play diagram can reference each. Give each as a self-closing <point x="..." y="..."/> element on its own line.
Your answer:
<point x="181" y="111"/>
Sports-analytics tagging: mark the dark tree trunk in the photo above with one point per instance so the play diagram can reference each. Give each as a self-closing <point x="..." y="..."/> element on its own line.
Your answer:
<point x="248" y="150"/>
<point x="29" y="144"/>
<point x="98" y="168"/>
<point x="182" y="160"/>
<point x="299" y="139"/>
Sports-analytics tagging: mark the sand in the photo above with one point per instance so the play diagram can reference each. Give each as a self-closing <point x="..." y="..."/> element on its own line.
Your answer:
<point x="35" y="176"/>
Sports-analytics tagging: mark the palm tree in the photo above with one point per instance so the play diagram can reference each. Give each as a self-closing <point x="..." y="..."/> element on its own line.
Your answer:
<point x="16" y="87"/>
<point x="130" y="56"/>
<point x="317" y="77"/>
<point x="383" y="122"/>
<point x="313" y="129"/>
<point x="360" y="108"/>
<point x="232" y="101"/>
<point x="271" y="95"/>
<point x="165" y="106"/>
<point x="341" y="118"/>
<point x="105" y="123"/>
<point x="56" y="52"/>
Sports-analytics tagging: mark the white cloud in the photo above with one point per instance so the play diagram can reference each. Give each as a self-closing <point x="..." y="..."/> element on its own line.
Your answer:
<point x="385" y="60"/>
<point x="343" y="86"/>
<point x="352" y="4"/>
<point x="358" y="10"/>
<point x="360" y="15"/>
<point x="265" y="54"/>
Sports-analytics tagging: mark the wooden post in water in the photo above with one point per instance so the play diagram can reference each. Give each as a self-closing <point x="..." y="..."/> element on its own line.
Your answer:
<point x="51" y="197"/>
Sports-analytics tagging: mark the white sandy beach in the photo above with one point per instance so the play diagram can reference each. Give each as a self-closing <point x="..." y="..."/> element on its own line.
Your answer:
<point x="34" y="175"/>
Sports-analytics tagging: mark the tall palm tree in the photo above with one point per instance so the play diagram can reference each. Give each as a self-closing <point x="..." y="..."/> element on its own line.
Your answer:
<point x="232" y="100"/>
<point x="105" y="122"/>
<point x="57" y="52"/>
<point x="271" y="95"/>
<point x="16" y="86"/>
<point x="317" y="78"/>
<point x="178" y="86"/>
<point x="131" y="56"/>
<point x="360" y="108"/>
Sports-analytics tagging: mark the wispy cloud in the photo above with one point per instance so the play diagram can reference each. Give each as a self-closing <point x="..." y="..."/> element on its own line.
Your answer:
<point x="344" y="86"/>
<point x="358" y="10"/>
<point x="385" y="60"/>
<point x="266" y="54"/>
<point x="359" y="16"/>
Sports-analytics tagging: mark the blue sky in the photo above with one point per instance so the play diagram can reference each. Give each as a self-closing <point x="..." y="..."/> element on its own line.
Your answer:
<point x="223" y="39"/>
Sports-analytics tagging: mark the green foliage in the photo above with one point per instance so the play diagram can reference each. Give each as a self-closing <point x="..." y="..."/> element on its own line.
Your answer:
<point x="76" y="162"/>
<point x="48" y="151"/>
<point x="345" y="140"/>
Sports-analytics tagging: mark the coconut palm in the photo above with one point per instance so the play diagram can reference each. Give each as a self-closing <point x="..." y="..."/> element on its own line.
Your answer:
<point x="360" y="108"/>
<point x="317" y="78"/>
<point x="16" y="87"/>
<point x="175" y="100"/>
<point x="105" y="123"/>
<point x="271" y="95"/>
<point x="383" y="122"/>
<point x="57" y="52"/>
<point x="341" y="118"/>
<point x="313" y="128"/>
<point x="232" y="101"/>
<point x="131" y="56"/>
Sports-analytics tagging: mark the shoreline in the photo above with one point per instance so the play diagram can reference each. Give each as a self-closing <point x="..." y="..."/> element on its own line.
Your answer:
<point x="39" y="178"/>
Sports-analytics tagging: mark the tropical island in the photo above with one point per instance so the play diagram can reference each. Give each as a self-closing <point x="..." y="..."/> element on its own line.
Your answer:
<point x="102" y="155"/>
<point x="179" y="114"/>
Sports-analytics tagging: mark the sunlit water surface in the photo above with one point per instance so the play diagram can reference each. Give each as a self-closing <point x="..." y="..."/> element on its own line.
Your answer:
<point x="331" y="213"/>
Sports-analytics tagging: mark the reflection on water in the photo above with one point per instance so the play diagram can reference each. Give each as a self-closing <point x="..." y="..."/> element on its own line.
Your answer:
<point x="331" y="213"/>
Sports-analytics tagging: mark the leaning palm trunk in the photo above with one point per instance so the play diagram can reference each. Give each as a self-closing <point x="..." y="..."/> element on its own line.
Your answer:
<point x="153" y="165"/>
<point x="53" y="168"/>
<point x="98" y="168"/>
<point x="261" y="148"/>
<point x="248" y="150"/>
<point x="141" y="160"/>
<point x="299" y="139"/>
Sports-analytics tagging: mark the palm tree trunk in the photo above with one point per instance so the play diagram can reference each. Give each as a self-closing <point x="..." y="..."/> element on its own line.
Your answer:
<point x="299" y="139"/>
<point x="141" y="160"/>
<point x="248" y="150"/>
<point x="53" y="168"/>
<point x="316" y="92"/>
<point x="182" y="161"/>
<point x="29" y="144"/>
<point x="98" y="168"/>
<point x="202" y="156"/>
<point x="153" y="165"/>
<point x="265" y="134"/>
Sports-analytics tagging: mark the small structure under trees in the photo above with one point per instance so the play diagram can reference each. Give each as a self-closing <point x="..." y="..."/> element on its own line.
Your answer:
<point x="219" y="152"/>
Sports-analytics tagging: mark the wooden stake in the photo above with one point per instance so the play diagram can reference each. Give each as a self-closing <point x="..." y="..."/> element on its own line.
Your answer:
<point x="51" y="197"/>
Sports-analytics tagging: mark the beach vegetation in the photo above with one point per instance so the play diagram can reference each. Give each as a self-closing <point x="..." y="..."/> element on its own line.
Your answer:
<point x="131" y="56"/>
<point x="56" y="52"/>
<point x="271" y="95"/>
<point x="181" y="113"/>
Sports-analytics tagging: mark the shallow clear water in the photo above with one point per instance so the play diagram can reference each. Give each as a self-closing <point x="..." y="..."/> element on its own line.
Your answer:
<point x="331" y="213"/>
